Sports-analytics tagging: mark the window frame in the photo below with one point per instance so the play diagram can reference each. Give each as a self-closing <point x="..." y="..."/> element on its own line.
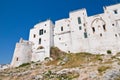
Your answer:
<point x="41" y="32"/>
<point x="79" y="20"/>
<point x="40" y="40"/>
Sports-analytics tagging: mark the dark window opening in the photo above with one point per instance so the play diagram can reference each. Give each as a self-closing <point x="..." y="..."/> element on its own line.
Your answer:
<point x="41" y="32"/>
<point x="44" y="31"/>
<point x="59" y="38"/>
<point x="115" y="35"/>
<point x="34" y="36"/>
<point x="84" y="25"/>
<point x="85" y="35"/>
<point x="104" y="27"/>
<point x="68" y="25"/>
<point x="17" y="59"/>
<point x="112" y="24"/>
<point x="101" y="35"/>
<point x="45" y="25"/>
<point x="79" y="20"/>
<point x="80" y="27"/>
<point x="93" y="29"/>
<point x="115" y="12"/>
<point x="40" y="41"/>
<point x="61" y="28"/>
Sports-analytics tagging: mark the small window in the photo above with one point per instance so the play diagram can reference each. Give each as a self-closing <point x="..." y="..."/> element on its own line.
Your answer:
<point x="62" y="28"/>
<point x="41" y="32"/>
<point x="112" y="24"/>
<point x="115" y="12"/>
<point x="68" y="25"/>
<point x="80" y="28"/>
<point x="104" y="27"/>
<point x="17" y="59"/>
<point x="45" y="24"/>
<point x="93" y="29"/>
<point x="100" y="34"/>
<point x="44" y="31"/>
<point x="34" y="36"/>
<point x="84" y="25"/>
<point x="115" y="35"/>
<point x="59" y="38"/>
<point x="39" y="40"/>
<point x="79" y="20"/>
<point x="85" y="35"/>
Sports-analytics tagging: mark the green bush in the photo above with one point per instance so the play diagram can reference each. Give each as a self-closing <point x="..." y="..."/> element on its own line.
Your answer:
<point x="24" y="64"/>
<point x="109" y="51"/>
<point x="102" y="69"/>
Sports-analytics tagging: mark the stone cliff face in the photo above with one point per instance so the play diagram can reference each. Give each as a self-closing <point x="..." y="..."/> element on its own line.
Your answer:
<point x="81" y="66"/>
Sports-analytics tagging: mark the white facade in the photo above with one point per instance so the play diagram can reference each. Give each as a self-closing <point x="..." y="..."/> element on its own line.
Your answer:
<point x="95" y="34"/>
<point x="22" y="53"/>
<point x="42" y="37"/>
<point x="62" y="35"/>
<point x="78" y="33"/>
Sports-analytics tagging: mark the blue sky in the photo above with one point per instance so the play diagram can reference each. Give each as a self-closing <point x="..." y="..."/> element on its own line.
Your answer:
<point x="17" y="17"/>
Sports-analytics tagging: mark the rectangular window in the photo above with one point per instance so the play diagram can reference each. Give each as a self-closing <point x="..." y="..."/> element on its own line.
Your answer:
<point x="41" y="32"/>
<point x="85" y="35"/>
<point x="34" y="36"/>
<point x="39" y="40"/>
<point x="93" y="29"/>
<point x="79" y="20"/>
<point x="100" y="34"/>
<point x="80" y="27"/>
<point x="104" y="27"/>
<point x="44" y="31"/>
<point x="17" y="59"/>
<point x="62" y="28"/>
<point x="115" y="12"/>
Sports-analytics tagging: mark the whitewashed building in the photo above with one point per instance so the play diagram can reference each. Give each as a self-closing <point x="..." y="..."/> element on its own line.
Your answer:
<point x="62" y="35"/>
<point x="94" y="34"/>
<point x="42" y="37"/>
<point x="79" y="33"/>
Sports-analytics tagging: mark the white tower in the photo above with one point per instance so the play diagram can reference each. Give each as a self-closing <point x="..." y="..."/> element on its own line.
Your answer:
<point x="22" y="53"/>
<point x="42" y="37"/>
